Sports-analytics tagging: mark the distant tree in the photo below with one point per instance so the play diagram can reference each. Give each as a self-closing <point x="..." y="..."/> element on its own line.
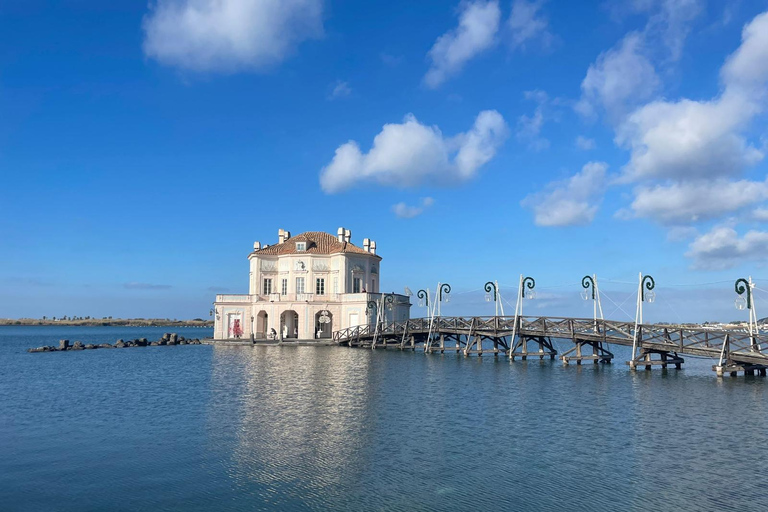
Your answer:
<point x="43" y="317"/>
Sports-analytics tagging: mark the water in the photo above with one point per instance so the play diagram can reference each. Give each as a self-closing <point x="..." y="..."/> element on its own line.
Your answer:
<point x="326" y="428"/>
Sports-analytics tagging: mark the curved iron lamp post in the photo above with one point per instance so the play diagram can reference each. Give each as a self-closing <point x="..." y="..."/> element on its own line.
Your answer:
<point x="423" y="295"/>
<point x="586" y="282"/>
<point x="371" y="306"/>
<point x="529" y="282"/>
<point x="741" y="286"/>
<point x="490" y="285"/>
<point x="444" y="288"/>
<point x="646" y="284"/>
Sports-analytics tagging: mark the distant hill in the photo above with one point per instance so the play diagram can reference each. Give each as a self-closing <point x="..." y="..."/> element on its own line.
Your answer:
<point x="128" y="322"/>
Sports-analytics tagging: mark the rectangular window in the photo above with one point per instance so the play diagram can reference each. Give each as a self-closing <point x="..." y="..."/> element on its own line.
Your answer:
<point x="267" y="286"/>
<point x="301" y="246"/>
<point x="284" y="287"/>
<point x="357" y="284"/>
<point x="320" y="286"/>
<point x="299" y="285"/>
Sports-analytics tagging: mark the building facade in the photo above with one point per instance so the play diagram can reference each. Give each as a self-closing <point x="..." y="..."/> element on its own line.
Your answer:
<point x="306" y="287"/>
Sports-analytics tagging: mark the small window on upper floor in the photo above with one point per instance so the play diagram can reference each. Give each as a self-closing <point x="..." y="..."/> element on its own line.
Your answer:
<point x="301" y="246"/>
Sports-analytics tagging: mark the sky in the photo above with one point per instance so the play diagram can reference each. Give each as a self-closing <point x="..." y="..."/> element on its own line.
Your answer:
<point x="144" y="147"/>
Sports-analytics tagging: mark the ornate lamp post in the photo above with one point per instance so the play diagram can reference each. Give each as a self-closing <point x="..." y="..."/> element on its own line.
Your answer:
<point x="645" y="283"/>
<point x="590" y="282"/>
<point x="372" y="306"/>
<point x="444" y="288"/>
<point x="493" y="286"/>
<point x="253" y="338"/>
<point x="741" y="287"/>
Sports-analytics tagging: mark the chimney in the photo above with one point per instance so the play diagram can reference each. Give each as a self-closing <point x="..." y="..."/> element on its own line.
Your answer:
<point x="366" y="244"/>
<point x="282" y="236"/>
<point x="373" y="247"/>
<point x="347" y="235"/>
<point x="256" y="246"/>
<point x="340" y="234"/>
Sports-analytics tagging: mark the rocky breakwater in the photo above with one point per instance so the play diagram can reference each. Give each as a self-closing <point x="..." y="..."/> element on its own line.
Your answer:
<point x="169" y="338"/>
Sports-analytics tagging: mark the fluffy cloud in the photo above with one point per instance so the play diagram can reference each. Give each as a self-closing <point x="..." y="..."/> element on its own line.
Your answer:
<point x="570" y="202"/>
<point x="722" y="248"/>
<point x="621" y="77"/>
<point x="526" y="25"/>
<point x="693" y="201"/>
<point x="703" y="138"/>
<point x="478" y="25"/>
<point x="410" y="153"/>
<point x="404" y="211"/>
<point x="229" y="35"/>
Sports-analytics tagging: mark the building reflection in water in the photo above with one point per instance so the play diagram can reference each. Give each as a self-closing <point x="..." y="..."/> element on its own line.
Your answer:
<point x="291" y="415"/>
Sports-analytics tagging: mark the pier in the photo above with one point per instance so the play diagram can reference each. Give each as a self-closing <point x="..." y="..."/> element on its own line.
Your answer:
<point x="530" y="336"/>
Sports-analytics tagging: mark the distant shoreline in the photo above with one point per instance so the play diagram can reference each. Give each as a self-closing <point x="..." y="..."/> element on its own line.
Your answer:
<point x="107" y="322"/>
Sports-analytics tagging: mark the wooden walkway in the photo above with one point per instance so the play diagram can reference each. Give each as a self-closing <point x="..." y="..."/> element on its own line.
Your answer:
<point x="526" y="336"/>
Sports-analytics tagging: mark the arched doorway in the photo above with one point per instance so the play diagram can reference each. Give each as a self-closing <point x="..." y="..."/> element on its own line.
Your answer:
<point x="262" y="321"/>
<point x="323" y="324"/>
<point x="289" y="324"/>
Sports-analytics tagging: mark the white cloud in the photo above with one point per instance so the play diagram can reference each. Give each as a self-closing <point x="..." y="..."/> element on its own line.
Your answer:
<point x="525" y="24"/>
<point x="585" y="143"/>
<point x="620" y="78"/>
<point x="747" y="67"/>
<point x="693" y="201"/>
<point x="340" y="90"/>
<point x="703" y="138"/>
<point x="689" y="138"/>
<point x="404" y="211"/>
<point x="410" y="153"/>
<point x="760" y="214"/>
<point x="668" y="20"/>
<point x="570" y="202"/>
<point x="529" y="127"/>
<point x="229" y="35"/>
<point x="478" y="25"/>
<point x="721" y="248"/>
<point x="672" y="24"/>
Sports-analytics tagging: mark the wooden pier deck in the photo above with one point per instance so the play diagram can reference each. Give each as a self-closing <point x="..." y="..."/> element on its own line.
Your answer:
<point x="529" y="336"/>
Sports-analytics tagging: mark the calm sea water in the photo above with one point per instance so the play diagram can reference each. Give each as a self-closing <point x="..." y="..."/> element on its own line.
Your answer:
<point x="326" y="428"/>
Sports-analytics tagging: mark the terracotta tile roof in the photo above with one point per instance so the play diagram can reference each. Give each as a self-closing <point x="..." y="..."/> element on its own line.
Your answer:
<point x="317" y="243"/>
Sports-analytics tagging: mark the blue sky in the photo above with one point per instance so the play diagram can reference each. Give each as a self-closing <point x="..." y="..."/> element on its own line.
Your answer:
<point x="145" y="147"/>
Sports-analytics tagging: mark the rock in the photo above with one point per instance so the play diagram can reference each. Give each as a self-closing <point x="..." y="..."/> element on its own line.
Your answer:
<point x="78" y="346"/>
<point x="174" y="338"/>
<point x="63" y="344"/>
<point x="106" y="345"/>
<point x="155" y="343"/>
<point x="119" y="341"/>
<point x="161" y="342"/>
<point x="38" y="349"/>
<point x="182" y="342"/>
<point x="182" y="338"/>
<point x="120" y="344"/>
<point x="91" y="346"/>
<point x="141" y="342"/>
<point x="166" y="336"/>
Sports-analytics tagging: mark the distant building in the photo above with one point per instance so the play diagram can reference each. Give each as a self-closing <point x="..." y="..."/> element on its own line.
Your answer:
<point x="306" y="287"/>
